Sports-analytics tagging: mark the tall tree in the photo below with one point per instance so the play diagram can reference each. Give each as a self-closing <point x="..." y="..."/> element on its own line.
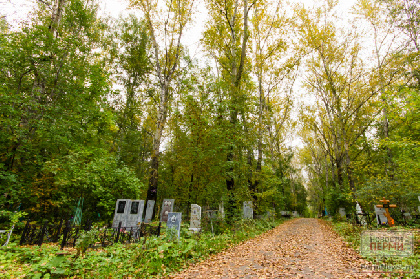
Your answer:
<point x="165" y="25"/>
<point x="226" y="40"/>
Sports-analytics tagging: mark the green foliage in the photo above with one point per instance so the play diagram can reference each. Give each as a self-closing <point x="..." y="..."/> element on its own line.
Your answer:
<point x="152" y="257"/>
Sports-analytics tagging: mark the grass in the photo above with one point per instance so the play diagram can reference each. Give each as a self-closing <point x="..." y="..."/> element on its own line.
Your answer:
<point x="154" y="258"/>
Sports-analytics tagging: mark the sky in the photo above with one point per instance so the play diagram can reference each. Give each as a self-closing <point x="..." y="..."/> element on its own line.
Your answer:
<point x="18" y="10"/>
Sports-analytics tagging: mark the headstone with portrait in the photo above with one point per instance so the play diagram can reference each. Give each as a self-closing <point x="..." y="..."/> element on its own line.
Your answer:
<point x="167" y="206"/>
<point x="122" y="208"/>
<point x="134" y="217"/>
<point x="195" y="221"/>
<point x="247" y="211"/>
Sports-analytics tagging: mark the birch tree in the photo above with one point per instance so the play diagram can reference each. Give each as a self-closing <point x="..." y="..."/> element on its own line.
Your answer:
<point x="166" y="22"/>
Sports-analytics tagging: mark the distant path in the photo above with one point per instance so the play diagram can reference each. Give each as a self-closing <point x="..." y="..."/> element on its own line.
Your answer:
<point x="299" y="248"/>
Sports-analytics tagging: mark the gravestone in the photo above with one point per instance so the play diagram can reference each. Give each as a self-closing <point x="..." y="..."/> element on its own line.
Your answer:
<point x="285" y="213"/>
<point x="407" y="216"/>
<point x="295" y="214"/>
<point x="342" y="212"/>
<point x="222" y="210"/>
<point x="248" y="212"/>
<point x="380" y="216"/>
<point x="135" y="214"/>
<point x="195" y="221"/>
<point x="149" y="211"/>
<point x="122" y="208"/>
<point x="174" y="222"/>
<point x="167" y="206"/>
<point x="361" y="218"/>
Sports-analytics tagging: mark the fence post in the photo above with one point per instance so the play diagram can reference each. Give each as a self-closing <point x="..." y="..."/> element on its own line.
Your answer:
<point x="41" y="237"/>
<point x="103" y="240"/>
<point x="25" y="231"/>
<point x="158" y="230"/>
<point x="65" y="233"/>
<point x="75" y="237"/>
<point x="118" y="232"/>
<point x="55" y="239"/>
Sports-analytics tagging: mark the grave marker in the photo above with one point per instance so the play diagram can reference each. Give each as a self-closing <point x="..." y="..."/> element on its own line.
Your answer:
<point x="342" y="212"/>
<point x="174" y="222"/>
<point x="134" y="216"/>
<point x="167" y="206"/>
<point x="295" y="214"/>
<point x="195" y="221"/>
<point x="122" y="208"/>
<point x="248" y="212"/>
<point x="380" y="216"/>
<point x="222" y="210"/>
<point x="385" y="205"/>
<point x="149" y="211"/>
<point x="359" y="215"/>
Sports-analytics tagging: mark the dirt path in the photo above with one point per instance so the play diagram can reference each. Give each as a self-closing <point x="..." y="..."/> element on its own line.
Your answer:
<point x="299" y="248"/>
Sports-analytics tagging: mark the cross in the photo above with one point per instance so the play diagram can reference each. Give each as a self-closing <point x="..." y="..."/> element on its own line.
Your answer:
<point x="385" y="204"/>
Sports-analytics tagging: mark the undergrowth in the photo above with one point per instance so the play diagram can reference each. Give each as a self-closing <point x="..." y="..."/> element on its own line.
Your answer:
<point x="352" y="234"/>
<point x="155" y="257"/>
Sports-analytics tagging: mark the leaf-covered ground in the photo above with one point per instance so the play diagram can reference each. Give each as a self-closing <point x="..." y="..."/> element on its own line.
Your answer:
<point x="299" y="248"/>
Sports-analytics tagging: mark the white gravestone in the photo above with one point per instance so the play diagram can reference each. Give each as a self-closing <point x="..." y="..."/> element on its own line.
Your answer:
<point x="135" y="214"/>
<point x="122" y="208"/>
<point x="167" y="206"/>
<point x="195" y="221"/>
<point x="342" y="212"/>
<point x="174" y="222"/>
<point x="380" y="215"/>
<point x="149" y="211"/>
<point x="222" y="210"/>
<point x="361" y="219"/>
<point x="248" y="212"/>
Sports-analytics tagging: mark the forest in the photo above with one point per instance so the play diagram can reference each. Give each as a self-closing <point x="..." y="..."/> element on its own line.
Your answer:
<point x="102" y="109"/>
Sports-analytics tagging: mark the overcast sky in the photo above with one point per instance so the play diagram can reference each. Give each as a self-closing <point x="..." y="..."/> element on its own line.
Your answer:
<point x="17" y="10"/>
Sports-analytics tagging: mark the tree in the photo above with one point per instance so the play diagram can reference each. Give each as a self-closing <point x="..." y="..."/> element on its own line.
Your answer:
<point x="226" y="40"/>
<point x="165" y="27"/>
<point x="53" y="85"/>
